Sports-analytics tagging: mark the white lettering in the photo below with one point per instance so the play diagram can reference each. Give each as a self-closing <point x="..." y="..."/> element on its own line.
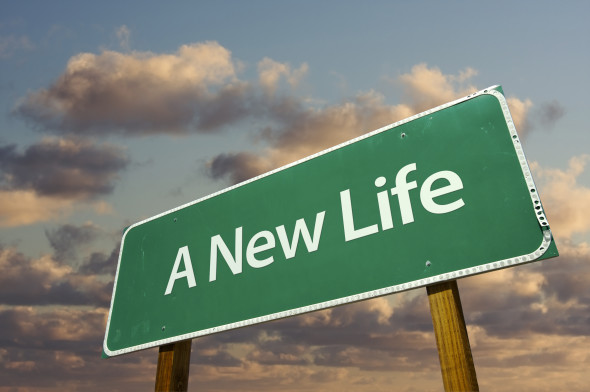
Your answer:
<point x="265" y="240"/>
<point x="384" y="207"/>
<point x="350" y="233"/>
<point x="301" y="230"/>
<point x="182" y="255"/>
<point x="235" y="265"/>
<point x="402" y="189"/>
<point x="427" y="194"/>
<point x="252" y="249"/>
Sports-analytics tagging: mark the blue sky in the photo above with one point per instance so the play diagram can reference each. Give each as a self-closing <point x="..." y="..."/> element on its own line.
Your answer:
<point x="79" y="162"/>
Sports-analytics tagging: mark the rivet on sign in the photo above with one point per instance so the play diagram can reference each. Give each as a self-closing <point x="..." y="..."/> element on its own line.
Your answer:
<point x="163" y="328"/>
<point x="174" y="219"/>
<point x="428" y="263"/>
<point x="403" y="135"/>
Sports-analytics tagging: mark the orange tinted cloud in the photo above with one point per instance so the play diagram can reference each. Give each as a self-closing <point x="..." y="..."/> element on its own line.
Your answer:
<point x="426" y="87"/>
<point x="18" y="208"/>
<point x="136" y="93"/>
<point x="300" y="130"/>
<point x="565" y="200"/>
<point x="48" y="281"/>
<point x="270" y="72"/>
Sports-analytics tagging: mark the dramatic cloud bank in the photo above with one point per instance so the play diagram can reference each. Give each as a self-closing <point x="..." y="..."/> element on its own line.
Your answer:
<point x="19" y="208"/>
<point x="566" y="200"/>
<point x="61" y="278"/>
<point x="198" y="89"/>
<point x="11" y="44"/>
<point x="299" y="130"/>
<point x="62" y="168"/>
<point x="48" y="178"/>
<point x="139" y="93"/>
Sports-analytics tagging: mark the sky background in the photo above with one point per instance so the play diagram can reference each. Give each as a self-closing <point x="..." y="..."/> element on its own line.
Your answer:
<point x="112" y="112"/>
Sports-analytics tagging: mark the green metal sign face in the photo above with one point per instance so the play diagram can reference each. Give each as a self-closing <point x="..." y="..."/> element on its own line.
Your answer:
<point x="439" y="196"/>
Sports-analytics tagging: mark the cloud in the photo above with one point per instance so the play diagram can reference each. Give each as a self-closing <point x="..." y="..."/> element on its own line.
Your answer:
<point x="270" y="72"/>
<point x="564" y="199"/>
<point x="100" y="263"/>
<point x="240" y="166"/>
<point x="67" y="239"/>
<point x="123" y="34"/>
<point x="72" y="169"/>
<point x="519" y="111"/>
<point x="521" y="362"/>
<point x="298" y="130"/>
<point x="52" y="320"/>
<point x="139" y="93"/>
<point x="512" y="310"/>
<point x="47" y="281"/>
<point x="197" y="89"/>
<point x="11" y="44"/>
<point x="53" y="349"/>
<point x="304" y="130"/>
<point x="427" y="87"/>
<point x="548" y="297"/>
<point x="325" y="350"/>
<point x="301" y="131"/>
<point x="366" y="328"/>
<point x="547" y="114"/>
<point x="529" y="117"/>
<point x="37" y="323"/>
<point x="19" y="208"/>
<point x="567" y="298"/>
<point x="356" y="346"/>
<point x="53" y="177"/>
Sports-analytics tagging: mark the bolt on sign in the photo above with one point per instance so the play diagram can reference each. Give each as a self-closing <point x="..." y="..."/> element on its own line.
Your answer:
<point x="441" y="195"/>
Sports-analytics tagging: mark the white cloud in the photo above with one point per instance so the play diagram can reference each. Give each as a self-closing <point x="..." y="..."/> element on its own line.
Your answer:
<point x="271" y="71"/>
<point x="426" y="87"/>
<point x="299" y="130"/>
<point x="519" y="110"/>
<point x="138" y="92"/>
<point x="11" y="44"/>
<point x="123" y="34"/>
<point x="564" y="199"/>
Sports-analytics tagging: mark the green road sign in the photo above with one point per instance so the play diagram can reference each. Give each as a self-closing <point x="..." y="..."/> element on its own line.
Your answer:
<point x="439" y="196"/>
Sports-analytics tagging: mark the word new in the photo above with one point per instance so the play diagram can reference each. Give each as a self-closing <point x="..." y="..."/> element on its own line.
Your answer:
<point x="265" y="240"/>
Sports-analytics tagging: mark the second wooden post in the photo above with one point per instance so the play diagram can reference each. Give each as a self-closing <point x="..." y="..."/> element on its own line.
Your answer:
<point x="454" y="351"/>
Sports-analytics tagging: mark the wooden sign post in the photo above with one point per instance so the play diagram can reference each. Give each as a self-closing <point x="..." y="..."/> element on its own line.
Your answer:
<point x="454" y="351"/>
<point x="173" y="367"/>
